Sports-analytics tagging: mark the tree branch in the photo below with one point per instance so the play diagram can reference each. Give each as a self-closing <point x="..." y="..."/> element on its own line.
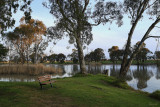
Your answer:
<point x="151" y="5"/>
<point x="86" y="4"/>
<point x="153" y="37"/>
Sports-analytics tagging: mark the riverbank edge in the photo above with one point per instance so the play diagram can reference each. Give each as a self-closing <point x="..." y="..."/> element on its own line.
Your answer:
<point x="81" y="90"/>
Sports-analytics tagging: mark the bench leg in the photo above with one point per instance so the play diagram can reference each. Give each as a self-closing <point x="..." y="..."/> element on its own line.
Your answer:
<point x="51" y="84"/>
<point x="41" y="86"/>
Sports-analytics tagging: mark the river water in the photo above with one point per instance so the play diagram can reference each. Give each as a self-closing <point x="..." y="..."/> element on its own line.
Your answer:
<point x="145" y="78"/>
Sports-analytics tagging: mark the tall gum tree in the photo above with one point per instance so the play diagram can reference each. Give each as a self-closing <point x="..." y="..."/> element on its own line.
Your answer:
<point x="35" y="32"/>
<point x="27" y="35"/>
<point x="136" y="9"/>
<point x="21" y="39"/>
<point x="74" y="19"/>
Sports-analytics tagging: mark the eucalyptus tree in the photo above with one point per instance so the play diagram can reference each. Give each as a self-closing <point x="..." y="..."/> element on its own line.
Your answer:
<point x="21" y="38"/>
<point x="18" y="39"/>
<point x="52" y="58"/>
<point x="74" y="56"/>
<point x="142" y="54"/>
<point x="136" y="10"/>
<point x="27" y="35"/>
<point x="8" y="7"/>
<point x="157" y="54"/>
<point x="115" y="54"/>
<point x="74" y="19"/>
<point x="99" y="54"/>
<point x="61" y="58"/>
<point x="38" y="30"/>
<point x="96" y="55"/>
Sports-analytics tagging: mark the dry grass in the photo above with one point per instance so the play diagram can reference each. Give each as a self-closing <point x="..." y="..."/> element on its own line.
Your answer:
<point x="28" y="69"/>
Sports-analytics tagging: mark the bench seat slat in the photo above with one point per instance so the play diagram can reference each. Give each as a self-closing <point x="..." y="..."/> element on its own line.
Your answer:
<point x="44" y="80"/>
<point x="48" y="82"/>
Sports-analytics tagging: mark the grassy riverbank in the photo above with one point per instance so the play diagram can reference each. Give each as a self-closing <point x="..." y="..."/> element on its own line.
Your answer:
<point x="89" y="91"/>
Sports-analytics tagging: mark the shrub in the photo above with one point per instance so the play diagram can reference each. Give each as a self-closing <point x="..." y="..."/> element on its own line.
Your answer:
<point x="117" y="82"/>
<point x="81" y="75"/>
<point x="155" y="94"/>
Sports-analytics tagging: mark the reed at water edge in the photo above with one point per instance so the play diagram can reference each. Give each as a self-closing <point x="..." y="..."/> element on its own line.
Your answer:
<point x="25" y="69"/>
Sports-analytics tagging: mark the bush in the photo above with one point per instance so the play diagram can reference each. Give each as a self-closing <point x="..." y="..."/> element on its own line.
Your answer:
<point x="155" y="94"/>
<point x="81" y="75"/>
<point x="117" y="82"/>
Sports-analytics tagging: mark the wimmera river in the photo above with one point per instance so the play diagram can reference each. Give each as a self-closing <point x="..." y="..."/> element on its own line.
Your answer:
<point x="145" y="78"/>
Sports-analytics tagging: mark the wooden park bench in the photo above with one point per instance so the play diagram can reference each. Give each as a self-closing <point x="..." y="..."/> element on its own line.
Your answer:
<point x="44" y="80"/>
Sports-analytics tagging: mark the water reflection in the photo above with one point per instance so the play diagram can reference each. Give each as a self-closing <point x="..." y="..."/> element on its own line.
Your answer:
<point x="146" y="78"/>
<point x="115" y="72"/>
<point x="142" y="74"/>
<point x="17" y="78"/>
<point x="95" y="69"/>
<point x="158" y="73"/>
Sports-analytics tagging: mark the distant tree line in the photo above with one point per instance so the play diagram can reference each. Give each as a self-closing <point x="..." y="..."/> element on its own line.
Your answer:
<point x="96" y="55"/>
<point x="143" y="54"/>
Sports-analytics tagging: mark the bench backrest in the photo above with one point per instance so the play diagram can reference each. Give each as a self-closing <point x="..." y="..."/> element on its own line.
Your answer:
<point x="44" y="78"/>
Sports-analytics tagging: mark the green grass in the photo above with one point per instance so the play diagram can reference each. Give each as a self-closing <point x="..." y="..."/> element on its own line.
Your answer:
<point x="79" y="91"/>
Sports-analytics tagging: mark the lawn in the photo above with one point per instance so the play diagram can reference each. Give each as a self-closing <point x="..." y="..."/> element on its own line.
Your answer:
<point x="89" y="91"/>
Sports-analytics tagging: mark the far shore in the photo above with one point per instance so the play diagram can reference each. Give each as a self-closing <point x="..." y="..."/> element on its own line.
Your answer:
<point x="107" y="62"/>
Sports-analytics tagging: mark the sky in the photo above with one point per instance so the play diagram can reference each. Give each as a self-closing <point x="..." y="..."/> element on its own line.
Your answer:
<point x="104" y="36"/>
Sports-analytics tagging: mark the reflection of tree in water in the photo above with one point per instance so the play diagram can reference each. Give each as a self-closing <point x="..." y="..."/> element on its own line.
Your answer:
<point x="63" y="69"/>
<point x="75" y="69"/>
<point x="114" y="71"/>
<point x="95" y="69"/>
<point x="15" y="78"/>
<point x="158" y="72"/>
<point x="142" y="75"/>
<point x="129" y="76"/>
<point x="72" y="69"/>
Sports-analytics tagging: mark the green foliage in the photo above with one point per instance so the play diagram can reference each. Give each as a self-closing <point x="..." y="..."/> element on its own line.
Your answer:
<point x="115" y="54"/>
<point x="82" y="75"/>
<point x="3" y="51"/>
<point x="157" y="53"/>
<point x="96" y="55"/>
<point x="61" y="58"/>
<point x="155" y="94"/>
<point x="75" y="60"/>
<point x="142" y="54"/>
<point x="52" y="58"/>
<point x="7" y="8"/>
<point x="74" y="56"/>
